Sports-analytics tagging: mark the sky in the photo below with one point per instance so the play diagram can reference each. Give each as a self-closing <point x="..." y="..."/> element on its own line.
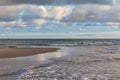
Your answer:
<point x="22" y="19"/>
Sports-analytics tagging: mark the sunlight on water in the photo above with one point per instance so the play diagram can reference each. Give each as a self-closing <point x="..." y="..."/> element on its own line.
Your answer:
<point x="44" y="57"/>
<point x="41" y="57"/>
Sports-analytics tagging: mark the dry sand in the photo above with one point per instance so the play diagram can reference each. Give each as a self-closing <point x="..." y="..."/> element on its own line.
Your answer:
<point x="19" y="52"/>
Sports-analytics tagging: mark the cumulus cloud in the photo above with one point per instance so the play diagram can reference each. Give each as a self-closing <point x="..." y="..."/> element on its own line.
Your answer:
<point x="88" y="12"/>
<point x="95" y="13"/>
<point x="31" y="15"/>
<point x="38" y="23"/>
<point x="54" y="2"/>
<point x="11" y="13"/>
<point x="37" y="15"/>
<point x="58" y="12"/>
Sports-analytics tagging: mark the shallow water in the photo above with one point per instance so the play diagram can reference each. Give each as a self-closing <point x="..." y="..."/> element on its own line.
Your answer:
<point x="11" y="66"/>
<point x="85" y="63"/>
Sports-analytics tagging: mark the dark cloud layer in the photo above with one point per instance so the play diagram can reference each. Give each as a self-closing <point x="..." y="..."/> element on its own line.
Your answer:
<point x="54" y="2"/>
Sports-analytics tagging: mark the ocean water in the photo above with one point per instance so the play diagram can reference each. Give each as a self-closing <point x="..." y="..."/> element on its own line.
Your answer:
<point x="56" y="42"/>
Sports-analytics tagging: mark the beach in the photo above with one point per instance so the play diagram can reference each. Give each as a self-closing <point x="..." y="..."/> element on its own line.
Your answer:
<point x="84" y="63"/>
<point x="19" y="52"/>
<point x="91" y="62"/>
<point x="14" y="60"/>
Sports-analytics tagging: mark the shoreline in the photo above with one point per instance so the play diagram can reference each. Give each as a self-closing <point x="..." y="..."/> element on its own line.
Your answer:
<point x="93" y="63"/>
<point x="21" y="52"/>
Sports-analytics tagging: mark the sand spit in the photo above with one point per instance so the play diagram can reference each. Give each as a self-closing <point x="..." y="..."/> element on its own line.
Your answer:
<point x="19" y="52"/>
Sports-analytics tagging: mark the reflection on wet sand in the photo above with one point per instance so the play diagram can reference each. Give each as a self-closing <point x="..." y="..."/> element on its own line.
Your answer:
<point x="10" y="65"/>
<point x="44" y="57"/>
<point x="58" y="54"/>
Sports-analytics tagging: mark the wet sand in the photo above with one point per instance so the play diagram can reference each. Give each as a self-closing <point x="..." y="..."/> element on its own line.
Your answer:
<point x="19" y="52"/>
<point x="14" y="60"/>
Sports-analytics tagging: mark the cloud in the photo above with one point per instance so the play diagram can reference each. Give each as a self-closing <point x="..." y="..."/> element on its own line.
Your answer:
<point x="54" y="2"/>
<point x="36" y="15"/>
<point x="29" y="12"/>
<point x="13" y="24"/>
<point x="26" y="15"/>
<point x="95" y="13"/>
<point x="38" y="23"/>
<point x="58" y="12"/>
<point x="12" y="13"/>
<point x="113" y="25"/>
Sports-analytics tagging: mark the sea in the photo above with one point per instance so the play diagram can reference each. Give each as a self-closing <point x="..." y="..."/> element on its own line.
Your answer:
<point x="55" y="42"/>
